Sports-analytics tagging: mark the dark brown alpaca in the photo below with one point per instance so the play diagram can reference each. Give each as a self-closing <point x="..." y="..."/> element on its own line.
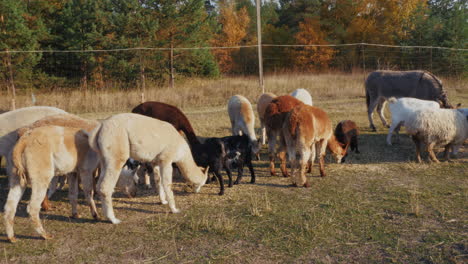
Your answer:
<point x="346" y="133"/>
<point x="170" y="114"/>
<point x="274" y="117"/>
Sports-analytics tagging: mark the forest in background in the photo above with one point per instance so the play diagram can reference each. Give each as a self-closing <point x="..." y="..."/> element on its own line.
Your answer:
<point x="122" y="44"/>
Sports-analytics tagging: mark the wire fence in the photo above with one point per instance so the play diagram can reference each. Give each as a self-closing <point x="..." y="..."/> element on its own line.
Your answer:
<point x="126" y="68"/>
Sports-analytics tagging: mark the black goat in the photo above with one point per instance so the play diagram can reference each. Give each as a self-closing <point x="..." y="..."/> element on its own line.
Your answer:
<point x="225" y="152"/>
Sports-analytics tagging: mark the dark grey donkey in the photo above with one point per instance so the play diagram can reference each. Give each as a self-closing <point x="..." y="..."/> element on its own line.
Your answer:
<point x="380" y="85"/>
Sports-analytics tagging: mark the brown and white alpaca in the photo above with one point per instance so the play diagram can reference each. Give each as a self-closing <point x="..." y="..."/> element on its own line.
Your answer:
<point x="275" y="114"/>
<point x="308" y="129"/>
<point x="145" y="139"/>
<point x="263" y="101"/>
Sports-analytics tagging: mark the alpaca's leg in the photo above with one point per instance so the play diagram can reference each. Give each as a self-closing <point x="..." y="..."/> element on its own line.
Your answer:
<point x="158" y="182"/>
<point x="271" y="150"/>
<point x="109" y="175"/>
<point x="73" y="194"/>
<point x="293" y="161"/>
<point x="166" y="180"/>
<point x="310" y="164"/>
<point x="53" y="186"/>
<point x="87" y="179"/>
<point x="282" y="155"/>
<point x="304" y="160"/>
<point x="263" y="131"/>
<point x="14" y="196"/>
<point x="322" y="151"/>
<point x="38" y="191"/>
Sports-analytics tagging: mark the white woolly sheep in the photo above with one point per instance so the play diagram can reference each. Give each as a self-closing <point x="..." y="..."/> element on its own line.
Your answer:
<point x="303" y="95"/>
<point x="242" y="119"/>
<point x="402" y="109"/>
<point x="262" y="104"/>
<point x="445" y="127"/>
<point x="144" y="139"/>
<point x="39" y="155"/>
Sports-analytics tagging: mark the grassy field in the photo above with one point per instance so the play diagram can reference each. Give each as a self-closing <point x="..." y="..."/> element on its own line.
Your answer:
<point x="379" y="207"/>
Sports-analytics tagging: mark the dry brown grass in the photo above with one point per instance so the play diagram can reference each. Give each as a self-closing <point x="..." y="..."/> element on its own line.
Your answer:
<point x="379" y="207"/>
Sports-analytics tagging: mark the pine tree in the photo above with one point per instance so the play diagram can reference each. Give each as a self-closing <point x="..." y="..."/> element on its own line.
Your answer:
<point x="18" y="32"/>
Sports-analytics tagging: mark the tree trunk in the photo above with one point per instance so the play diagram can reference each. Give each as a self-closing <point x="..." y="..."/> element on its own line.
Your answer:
<point x="10" y="80"/>
<point x="171" y="81"/>
<point x="84" y="78"/>
<point x="142" y="78"/>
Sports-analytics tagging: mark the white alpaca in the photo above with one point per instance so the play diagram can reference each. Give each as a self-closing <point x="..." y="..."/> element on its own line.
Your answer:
<point x="303" y="95"/>
<point x="445" y="127"/>
<point x="402" y="109"/>
<point x="144" y="139"/>
<point x="242" y="119"/>
<point x="262" y="104"/>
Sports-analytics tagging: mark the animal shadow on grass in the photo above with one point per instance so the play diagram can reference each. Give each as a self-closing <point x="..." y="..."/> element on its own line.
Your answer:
<point x="6" y="241"/>
<point x="374" y="149"/>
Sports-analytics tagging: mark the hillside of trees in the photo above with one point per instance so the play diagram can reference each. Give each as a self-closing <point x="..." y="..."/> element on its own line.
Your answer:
<point x="132" y="42"/>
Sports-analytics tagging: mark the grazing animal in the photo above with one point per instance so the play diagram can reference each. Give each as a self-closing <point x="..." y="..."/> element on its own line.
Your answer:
<point x="346" y="132"/>
<point x="463" y="111"/>
<point x="275" y="114"/>
<point x="39" y="155"/>
<point x="262" y="104"/>
<point x="211" y="154"/>
<point x="303" y="95"/>
<point x="433" y="127"/>
<point x="381" y="85"/>
<point x="12" y="120"/>
<point x="242" y="119"/>
<point x="224" y="153"/>
<point x="402" y="109"/>
<point x="307" y="128"/>
<point x="238" y="153"/>
<point x="170" y="114"/>
<point x="64" y="120"/>
<point x="145" y="139"/>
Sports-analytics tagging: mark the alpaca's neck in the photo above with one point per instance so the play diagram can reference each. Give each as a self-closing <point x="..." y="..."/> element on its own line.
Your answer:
<point x="189" y="168"/>
<point x="334" y="146"/>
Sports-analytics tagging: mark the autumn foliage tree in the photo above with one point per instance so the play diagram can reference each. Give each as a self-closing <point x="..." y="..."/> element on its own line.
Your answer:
<point x="234" y="25"/>
<point x="311" y="58"/>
